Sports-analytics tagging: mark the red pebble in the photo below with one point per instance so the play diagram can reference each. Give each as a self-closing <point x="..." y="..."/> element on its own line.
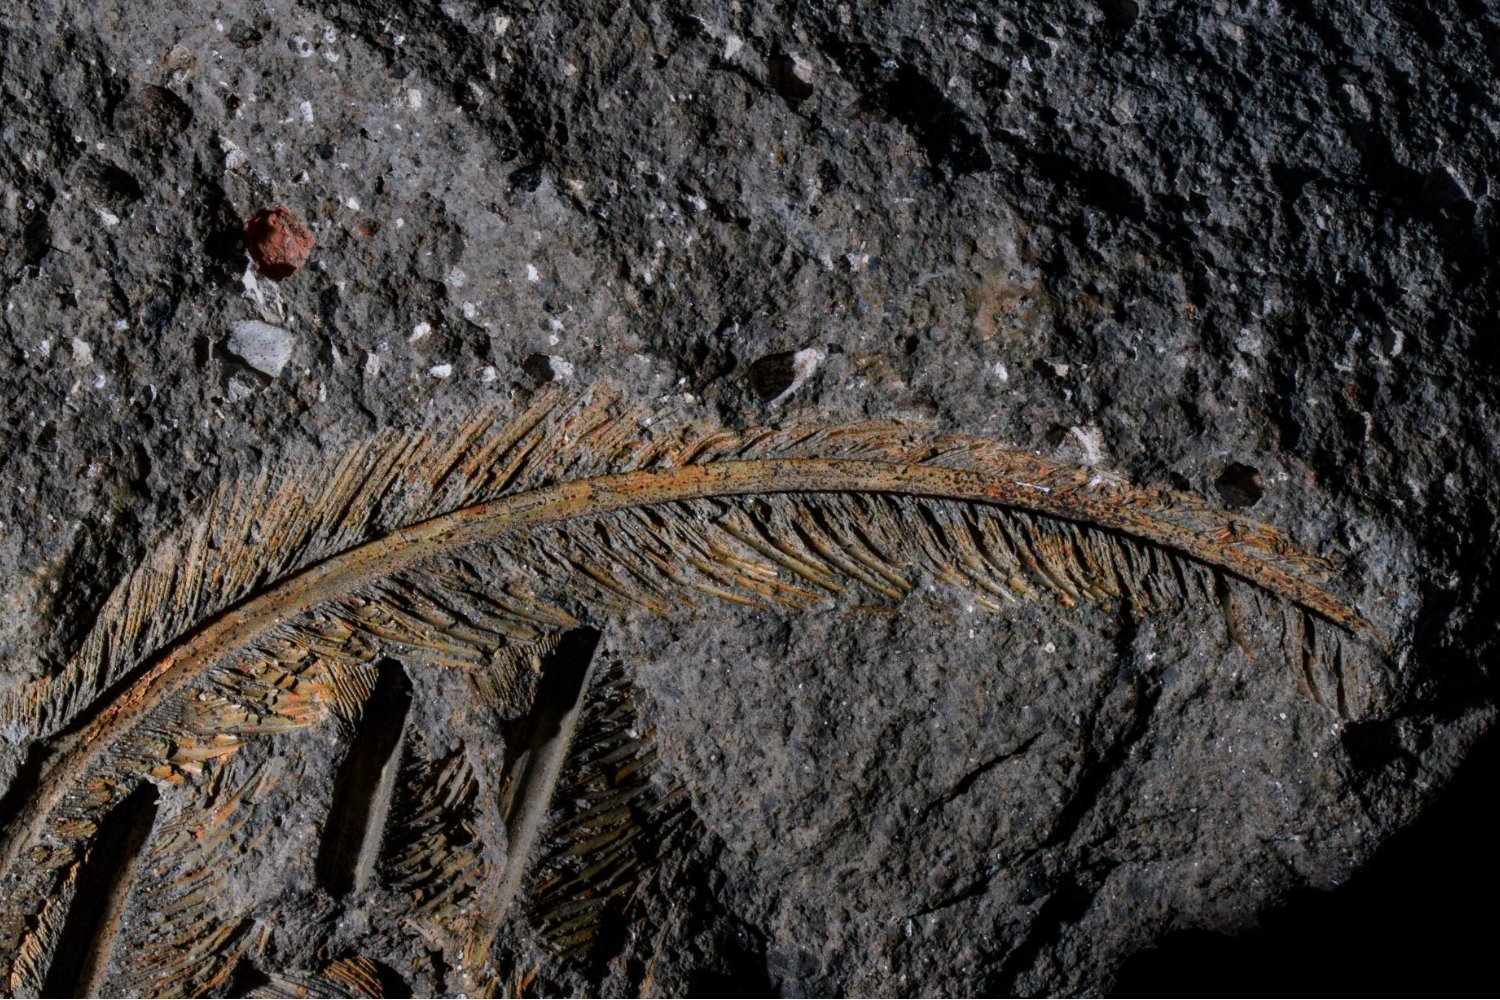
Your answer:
<point x="278" y="241"/>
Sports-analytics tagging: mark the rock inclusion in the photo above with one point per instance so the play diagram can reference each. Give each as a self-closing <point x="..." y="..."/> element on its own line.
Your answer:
<point x="1245" y="253"/>
<point x="278" y="242"/>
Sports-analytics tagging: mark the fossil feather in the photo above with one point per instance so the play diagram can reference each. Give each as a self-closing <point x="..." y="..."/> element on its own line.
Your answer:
<point x="456" y="545"/>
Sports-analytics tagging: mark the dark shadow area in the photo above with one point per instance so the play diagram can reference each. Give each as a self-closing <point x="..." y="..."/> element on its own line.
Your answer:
<point x="1419" y="921"/>
<point x="361" y="794"/>
<point x="82" y="955"/>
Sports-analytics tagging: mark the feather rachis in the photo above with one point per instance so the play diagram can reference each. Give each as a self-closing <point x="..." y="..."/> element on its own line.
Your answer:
<point x="649" y="518"/>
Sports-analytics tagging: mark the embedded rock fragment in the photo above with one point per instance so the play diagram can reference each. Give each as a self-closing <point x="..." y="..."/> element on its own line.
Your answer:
<point x="278" y="242"/>
<point x="264" y="347"/>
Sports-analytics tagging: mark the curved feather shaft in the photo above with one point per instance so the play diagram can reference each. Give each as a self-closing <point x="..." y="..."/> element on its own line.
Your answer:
<point x="343" y="574"/>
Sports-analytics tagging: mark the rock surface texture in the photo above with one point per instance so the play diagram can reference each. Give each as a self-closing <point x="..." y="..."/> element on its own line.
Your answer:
<point x="1244" y="251"/>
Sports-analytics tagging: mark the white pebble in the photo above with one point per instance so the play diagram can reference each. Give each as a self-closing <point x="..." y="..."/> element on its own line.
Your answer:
<point x="264" y="347"/>
<point x="234" y="156"/>
<point x="440" y="371"/>
<point x="804" y="363"/>
<point x="83" y="354"/>
<point x="419" y="331"/>
<point x="1090" y="442"/>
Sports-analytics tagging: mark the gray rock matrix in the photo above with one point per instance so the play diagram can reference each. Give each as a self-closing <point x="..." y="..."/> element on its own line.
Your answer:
<point x="1239" y="249"/>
